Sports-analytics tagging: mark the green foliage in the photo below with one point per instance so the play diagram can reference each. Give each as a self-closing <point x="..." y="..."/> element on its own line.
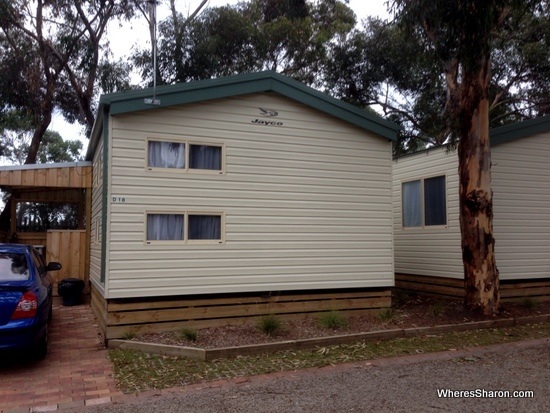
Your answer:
<point x="438" y="309"/>
<point x="129" y="335"/>
<point x="387" y="315"/>
<point x="529" y="302"/>
<point x="333" y="319"/>
<point x="405" y="66"/>
<point x="289" y="36"/>
<point x="49" y="60"/>
<point x="270" y="324"/>
<point x="190" y="334"/>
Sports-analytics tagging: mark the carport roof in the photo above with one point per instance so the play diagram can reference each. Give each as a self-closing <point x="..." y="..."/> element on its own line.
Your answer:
<point x="49" y="175"/>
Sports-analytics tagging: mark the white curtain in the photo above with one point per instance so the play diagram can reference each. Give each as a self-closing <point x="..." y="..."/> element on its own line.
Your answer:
<point x="204" y="227"/>
<point x="166" y="154"/>
<point x="164" y="227"/>
<point x="205" y="157"/>
<point x="412" y="206"/>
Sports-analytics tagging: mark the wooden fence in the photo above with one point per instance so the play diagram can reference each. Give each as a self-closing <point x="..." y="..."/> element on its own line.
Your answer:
<point x="69" y="248"/>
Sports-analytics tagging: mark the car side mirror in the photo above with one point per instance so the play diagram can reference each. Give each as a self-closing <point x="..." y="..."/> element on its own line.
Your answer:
<point x="53" y="266"/>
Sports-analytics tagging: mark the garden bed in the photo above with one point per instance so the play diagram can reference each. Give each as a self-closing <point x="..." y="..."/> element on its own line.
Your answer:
<point x="410" y="314"/>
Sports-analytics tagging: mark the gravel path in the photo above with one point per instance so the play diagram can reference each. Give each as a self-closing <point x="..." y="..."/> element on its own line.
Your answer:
<point x="404" y="384"/>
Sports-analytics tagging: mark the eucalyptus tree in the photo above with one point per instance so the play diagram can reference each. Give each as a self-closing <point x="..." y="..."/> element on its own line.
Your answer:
<point x="54" y="50"/>
<point x="390" y="65"/>
<point x="288" y="36"/>
<point x="461" y="35"/>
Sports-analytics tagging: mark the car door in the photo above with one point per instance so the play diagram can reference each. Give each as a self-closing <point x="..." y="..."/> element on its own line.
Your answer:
<point x="45" y="284"/>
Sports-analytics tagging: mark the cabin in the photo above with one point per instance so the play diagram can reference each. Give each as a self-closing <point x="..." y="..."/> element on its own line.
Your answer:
<point x="218" y="201"/>
<point x="426" y="229"/>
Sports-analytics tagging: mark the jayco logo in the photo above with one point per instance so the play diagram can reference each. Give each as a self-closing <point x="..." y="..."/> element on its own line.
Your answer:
<point x="267" y="113"/>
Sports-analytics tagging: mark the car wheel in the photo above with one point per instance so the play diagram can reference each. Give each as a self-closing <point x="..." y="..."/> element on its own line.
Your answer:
<point x="50" y="313"/>
<point x="41" y="348"/>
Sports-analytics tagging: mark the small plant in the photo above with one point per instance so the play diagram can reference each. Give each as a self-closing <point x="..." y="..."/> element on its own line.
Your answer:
<point x="438" y="309"/>
<point x="387" y="315"/>
<point x="270" y="324"/>
<point x="333" y="319"/>
<point x="189" y="334"/>
<point x="128" y="335"/>
<point x="529" y="302"/>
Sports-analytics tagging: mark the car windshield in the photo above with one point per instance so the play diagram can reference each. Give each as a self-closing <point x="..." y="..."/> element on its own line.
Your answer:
<point x="13" y="267"/>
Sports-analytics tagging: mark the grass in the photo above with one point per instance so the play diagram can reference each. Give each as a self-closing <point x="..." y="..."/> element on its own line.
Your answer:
<point x="333" y="319"/>
<point x="137" y="371"/>
<point x="129" y="335"/>
<point x="190" y="334"/>
<point x="270" y="324"/>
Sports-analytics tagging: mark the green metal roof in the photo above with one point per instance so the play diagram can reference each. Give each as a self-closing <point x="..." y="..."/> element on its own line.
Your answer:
<point x="134" y="100"/>
<point x="520" y="130"/>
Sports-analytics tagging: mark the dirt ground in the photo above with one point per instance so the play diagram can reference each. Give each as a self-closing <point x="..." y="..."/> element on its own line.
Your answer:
<point x="408" y="311"/>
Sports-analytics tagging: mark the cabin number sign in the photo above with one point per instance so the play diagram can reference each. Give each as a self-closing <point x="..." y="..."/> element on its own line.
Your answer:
<point x="115" y="199"/>
<point x="268" y="120"/>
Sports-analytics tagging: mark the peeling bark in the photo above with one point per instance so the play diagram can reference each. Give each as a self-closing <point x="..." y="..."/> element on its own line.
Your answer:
<point x="476" y="197"/>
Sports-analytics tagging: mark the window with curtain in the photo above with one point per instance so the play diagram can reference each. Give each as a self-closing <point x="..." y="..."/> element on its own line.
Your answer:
<point x="424" y="202"/>
<point x="204" y="227"/>
<point x="184" y="156"/>
<point x="166" y="154"/>
<point x="184" y="227"/>
<point x="165" y="227"/>
<point x="412" y="205"/>
<point x="205" y="157"/>
<point x="435" y="205"/>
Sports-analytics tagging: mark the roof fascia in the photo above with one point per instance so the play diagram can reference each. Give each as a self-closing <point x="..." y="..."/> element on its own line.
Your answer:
<point x="520" y="130"/>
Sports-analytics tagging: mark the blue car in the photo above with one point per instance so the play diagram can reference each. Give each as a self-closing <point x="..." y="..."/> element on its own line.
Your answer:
<point x="25" y="299"/>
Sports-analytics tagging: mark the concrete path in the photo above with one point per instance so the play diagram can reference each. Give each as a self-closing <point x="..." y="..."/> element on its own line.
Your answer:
<point x="76" y="371"/>
<point x="403" y="384"/>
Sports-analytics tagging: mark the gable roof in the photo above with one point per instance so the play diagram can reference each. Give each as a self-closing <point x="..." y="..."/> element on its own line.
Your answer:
<point x="134" y="100"/>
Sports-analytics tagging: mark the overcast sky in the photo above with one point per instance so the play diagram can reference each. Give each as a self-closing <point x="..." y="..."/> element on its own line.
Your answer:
<point x="123" y="39"/>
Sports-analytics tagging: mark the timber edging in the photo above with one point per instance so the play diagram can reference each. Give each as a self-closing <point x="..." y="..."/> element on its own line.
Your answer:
<point x="255" y="349"/>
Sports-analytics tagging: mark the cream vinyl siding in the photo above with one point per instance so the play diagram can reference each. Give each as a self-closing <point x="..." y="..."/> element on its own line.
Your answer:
<point x="307" y="204"/>
<point x="96" y="228"/>
<point x="521" y="187"/>
<point x="521" y="191"/>
<point x="431" y="250"/>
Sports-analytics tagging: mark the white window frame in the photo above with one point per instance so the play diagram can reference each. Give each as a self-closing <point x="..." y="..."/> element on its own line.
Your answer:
<point x="186" y="239"/>
<point x="186" y="168"/>
<point x="423" y="206"/>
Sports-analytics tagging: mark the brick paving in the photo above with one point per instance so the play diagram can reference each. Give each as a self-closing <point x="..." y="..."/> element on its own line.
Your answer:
<point x="76" y="371"/>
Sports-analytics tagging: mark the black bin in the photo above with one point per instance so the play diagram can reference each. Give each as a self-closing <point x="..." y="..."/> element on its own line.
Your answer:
<point x="70" y="289"/>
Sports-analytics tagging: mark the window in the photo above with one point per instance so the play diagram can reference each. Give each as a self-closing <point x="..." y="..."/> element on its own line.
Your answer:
<point x="13" y="267"/>
<point x="166" y="155"/>
<point x="424" y="202"/>
<point x="204" y="227"/>
<point x="205" y="157"/>
<point x="165" y="227"/>
<point x="185" y="227"/>
<point x="186" y="156"/>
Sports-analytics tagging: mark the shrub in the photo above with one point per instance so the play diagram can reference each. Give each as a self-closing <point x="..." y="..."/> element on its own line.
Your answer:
<point x="128" y="335"/>
<point x="270" y="324"/>
<point x="333" y="319"/>
<point x="189" y="334"/>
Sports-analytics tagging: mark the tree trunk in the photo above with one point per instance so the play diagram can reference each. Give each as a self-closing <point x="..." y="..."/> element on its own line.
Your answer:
<point x="476" y="197"/>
